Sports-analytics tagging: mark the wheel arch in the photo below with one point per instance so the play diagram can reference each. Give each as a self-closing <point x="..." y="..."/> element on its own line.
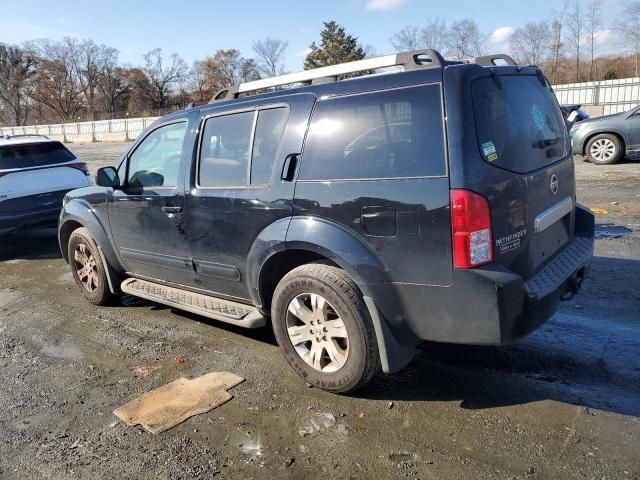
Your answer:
<point x="617" y="133"/>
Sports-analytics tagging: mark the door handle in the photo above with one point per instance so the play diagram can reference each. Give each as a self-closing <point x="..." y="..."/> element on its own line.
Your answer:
<point x="289" y="167"/>
<point x="171" y="211"/>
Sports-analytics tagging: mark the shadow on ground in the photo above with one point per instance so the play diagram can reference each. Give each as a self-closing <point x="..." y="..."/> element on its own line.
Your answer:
<point x="38" y="244"/>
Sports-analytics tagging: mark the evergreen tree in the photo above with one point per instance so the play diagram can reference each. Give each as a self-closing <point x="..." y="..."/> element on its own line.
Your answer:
<point x="336" y="47"/>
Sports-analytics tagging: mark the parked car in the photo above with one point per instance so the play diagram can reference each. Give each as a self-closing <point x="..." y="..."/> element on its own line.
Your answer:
<point x="573" y="114"/>
<point x="605" y="140"/>
<point x="35" y="174"/>
<point x="348" y="213"/>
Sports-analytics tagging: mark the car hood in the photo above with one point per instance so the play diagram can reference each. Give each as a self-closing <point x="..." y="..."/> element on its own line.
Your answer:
<point x="603" y="118"/>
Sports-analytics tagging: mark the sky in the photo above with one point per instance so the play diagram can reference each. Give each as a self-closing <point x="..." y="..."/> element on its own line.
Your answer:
<point x="196" y="29"/>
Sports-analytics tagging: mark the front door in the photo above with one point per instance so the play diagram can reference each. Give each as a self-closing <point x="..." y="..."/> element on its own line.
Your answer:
<point x="146" y="213"/>
<point x="236" y="189"/>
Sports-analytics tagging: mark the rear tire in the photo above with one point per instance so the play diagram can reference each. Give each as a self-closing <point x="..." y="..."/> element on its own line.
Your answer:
<point x="87" y="267"/>
<point x="604" y="149"/>
<point x="324" y="329"/>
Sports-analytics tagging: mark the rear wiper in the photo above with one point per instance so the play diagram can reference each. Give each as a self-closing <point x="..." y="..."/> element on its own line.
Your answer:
<point x="546" y="143"/>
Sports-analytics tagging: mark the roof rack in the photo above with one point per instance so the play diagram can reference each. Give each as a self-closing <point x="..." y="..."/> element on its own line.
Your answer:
<point x="413" y="60"/>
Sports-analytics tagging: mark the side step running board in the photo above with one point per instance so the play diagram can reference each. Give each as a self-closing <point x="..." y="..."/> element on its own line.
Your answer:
<point x="205" y="305"/>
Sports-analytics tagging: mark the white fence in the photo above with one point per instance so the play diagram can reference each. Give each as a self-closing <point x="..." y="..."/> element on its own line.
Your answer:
<point x="611" y="96"/>
<point x="130" y="128"/>
<point x="602" y="98"/>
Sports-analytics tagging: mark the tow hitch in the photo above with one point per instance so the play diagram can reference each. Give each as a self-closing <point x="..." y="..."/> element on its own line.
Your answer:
<point x="573" y="283"/>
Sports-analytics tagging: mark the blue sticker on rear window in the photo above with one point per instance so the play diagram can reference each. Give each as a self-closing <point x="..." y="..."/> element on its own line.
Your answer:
<point x="538" y="117"/>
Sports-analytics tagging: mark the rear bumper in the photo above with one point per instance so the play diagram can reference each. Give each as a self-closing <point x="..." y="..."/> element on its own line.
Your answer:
<point x="38" y="218"/>
<point x="489" y="305"/>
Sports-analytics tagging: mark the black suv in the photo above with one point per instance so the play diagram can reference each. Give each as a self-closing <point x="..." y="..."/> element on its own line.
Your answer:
<point x="357" y="215"/>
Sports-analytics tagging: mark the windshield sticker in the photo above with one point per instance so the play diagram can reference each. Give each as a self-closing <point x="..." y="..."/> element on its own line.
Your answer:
<point x="538" y="117"/>
<point x="489" y="150"/>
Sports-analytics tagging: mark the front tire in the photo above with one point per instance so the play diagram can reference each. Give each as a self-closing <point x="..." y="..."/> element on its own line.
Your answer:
<point x="324" y="329"/>
<point x="604" y="149"/>
<point x="87" y="267"/>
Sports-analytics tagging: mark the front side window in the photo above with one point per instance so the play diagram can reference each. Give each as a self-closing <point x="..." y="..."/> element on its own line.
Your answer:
<point x="156" y="161"/>
<point x="390" y="134"/>
<point x="225" y="150"/>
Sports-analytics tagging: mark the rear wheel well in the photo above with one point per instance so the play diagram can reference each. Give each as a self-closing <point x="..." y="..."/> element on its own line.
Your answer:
<point x="66" y="230"/>
<point x="278" y="265"/>
<point x="588" y="139"/>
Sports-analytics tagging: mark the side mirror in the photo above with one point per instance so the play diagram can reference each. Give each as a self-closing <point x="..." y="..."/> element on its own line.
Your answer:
<point x="107" y="177"/>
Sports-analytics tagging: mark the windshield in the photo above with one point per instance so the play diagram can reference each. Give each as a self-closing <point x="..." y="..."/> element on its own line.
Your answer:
<point x="518" y="123"/>
<point x="29" y="155"/>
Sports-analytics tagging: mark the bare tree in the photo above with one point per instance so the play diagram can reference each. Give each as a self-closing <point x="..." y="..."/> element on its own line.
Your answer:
<point x="406" y="39"/>
<point x="629" y="28"/>
<point x="270" y="52"/>
<point x="594" y="22"/>
<point x="17" y="69"/>
<point x="434" y="34"/>
<point x="113" y="82"/>
<point x="163" y="74"/>
<point x="576" y="31"/>
<point x="465" y="39"/>
<point x="228" y="67"/>
<point x="530" y="43"/>
<point x="557" y="44"/>
<point x="57" y="84"/>
<point x="198" y="81"/>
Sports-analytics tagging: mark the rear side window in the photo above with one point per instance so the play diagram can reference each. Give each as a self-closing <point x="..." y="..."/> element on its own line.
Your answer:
<point x="518" y="122"/>
<point x="389" y="134"/>
<point x="269" y="128"/>
<point x="225" y="150"/>
<point x="33" y="155"/>
<point x="227" y="147"/>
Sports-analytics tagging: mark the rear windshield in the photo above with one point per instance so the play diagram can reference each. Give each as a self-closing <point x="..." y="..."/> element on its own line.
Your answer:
<point x="30" y="155"/>
<point x="518" y="122"/>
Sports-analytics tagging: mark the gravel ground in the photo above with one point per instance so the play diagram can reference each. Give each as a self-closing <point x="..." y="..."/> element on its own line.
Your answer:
<point x="562" y="403"/>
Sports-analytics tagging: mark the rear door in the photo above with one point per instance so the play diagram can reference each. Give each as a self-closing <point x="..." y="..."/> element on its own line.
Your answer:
<point x="235" y="188"/>
<point x="522" y="164"/>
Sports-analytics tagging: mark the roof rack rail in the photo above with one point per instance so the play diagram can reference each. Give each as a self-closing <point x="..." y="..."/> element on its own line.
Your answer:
<point x="494" y="60"/>
<point x="413" y="60"/>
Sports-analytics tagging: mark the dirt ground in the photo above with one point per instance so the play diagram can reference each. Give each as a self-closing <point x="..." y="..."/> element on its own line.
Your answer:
<point x="562" y="403"/>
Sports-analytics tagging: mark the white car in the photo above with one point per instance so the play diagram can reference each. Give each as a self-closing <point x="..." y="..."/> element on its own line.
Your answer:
<point x="35" y="174"/>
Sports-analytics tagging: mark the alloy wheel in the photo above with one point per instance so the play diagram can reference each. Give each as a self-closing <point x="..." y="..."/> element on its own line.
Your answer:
<point x="317" y="332"/>
<point x="603" y="149"/>
<point x="86" y="267"/>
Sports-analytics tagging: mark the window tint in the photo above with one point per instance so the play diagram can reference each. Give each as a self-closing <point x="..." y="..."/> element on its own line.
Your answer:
<point x="397" y="133"/>
<point x="266" y="143"/>
<point x="519" y="124"/>
<point x="156" y="161"/>
<point x="225" y="150"/>
<point x="33" y="155"/>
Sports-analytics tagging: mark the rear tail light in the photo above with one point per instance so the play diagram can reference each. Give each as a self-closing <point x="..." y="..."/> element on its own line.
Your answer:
<point x="470" y="229"/>
<point x="80" y="166"/>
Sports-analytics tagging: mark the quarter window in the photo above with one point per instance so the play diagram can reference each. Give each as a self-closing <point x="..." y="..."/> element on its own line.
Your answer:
<point x="156" y="161"/>
<point x="390" y="134"/>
